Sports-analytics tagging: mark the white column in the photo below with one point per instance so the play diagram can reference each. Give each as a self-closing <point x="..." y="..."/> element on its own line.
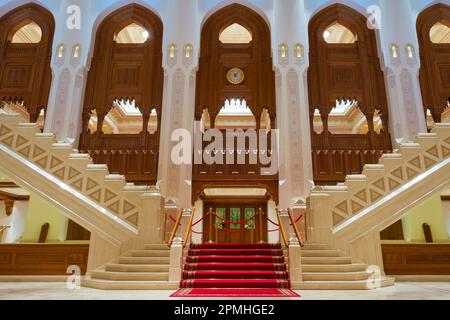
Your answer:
<point x="180" y="30"/>
<point x="290" y="29"/>
<point x="16" y="221"/>
<point x="406" y="115"/>
<point x="69" y="70"/>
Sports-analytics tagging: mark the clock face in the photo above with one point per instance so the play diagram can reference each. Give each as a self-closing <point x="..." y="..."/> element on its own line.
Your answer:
<point x="235" y="76"/>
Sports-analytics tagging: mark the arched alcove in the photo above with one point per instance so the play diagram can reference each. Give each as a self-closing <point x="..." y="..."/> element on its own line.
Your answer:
<point x="235" y="33"/>
<point x="346" y="87"/>
<point x="434" y="35"/>
<point x="235" y="90"/>
<point x="29" y="33"/>
<point x="219" y="62"/>
<point x="124" y="94"/>
<point x="26" y="77"/>
<point x="337" y="33"/>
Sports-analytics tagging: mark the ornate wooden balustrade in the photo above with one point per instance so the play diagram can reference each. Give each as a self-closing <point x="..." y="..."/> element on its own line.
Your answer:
<point x="336" y="155"/>
<point x="132" y="155"/>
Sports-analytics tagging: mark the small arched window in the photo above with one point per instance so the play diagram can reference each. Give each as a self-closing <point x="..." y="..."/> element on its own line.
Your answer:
<point x="235" y="34"/>
<point x="29" y="33"/>
<point x="337" y="33"/>
<point x="132" y="34"/>
<point x="440" y="33"/>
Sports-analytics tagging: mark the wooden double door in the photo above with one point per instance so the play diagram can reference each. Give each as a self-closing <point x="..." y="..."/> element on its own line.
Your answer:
<point x="236" y="222"/>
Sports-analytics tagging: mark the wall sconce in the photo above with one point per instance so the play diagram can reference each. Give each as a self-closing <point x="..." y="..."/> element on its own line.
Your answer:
<point x="172" y="55"/>
<point x="299" y="52"/>
<point x="76" y="51"/>
<point x="395" y="54"/>
<point x="76" y="55"/>
<point x="283" y="53"/>
<point x="188" y="54"/>
<point x="410" y="54"/>
<point x="60" y="54"/>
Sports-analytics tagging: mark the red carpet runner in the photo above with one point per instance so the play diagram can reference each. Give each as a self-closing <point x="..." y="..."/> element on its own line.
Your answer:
<point x="235" y="270"/>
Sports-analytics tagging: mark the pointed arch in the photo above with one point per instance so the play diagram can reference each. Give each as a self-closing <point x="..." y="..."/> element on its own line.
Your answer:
<point x="26" y="77"/>
<point x="258" y="89"/>
<point x="121" y="73"/>
<point x="345" y="73"/>
<point x="434" y="70"/>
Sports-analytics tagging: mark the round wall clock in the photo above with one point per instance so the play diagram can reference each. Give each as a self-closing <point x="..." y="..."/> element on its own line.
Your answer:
<point x="235" y="76"/>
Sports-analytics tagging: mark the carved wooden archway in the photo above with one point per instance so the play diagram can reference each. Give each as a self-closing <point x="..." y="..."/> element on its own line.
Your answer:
<point x="217" y="58"/>
<point x="435" y="62"/>
<point x="345" y="71"/>
<point x="125" y="71"/>
<point x="25" y="67"/>
<point x="213" y="88"/>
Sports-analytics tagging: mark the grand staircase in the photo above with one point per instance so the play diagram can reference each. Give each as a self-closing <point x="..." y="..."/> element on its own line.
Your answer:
<point x="354" y="212"/>
<point x="357" y="210"/>
<point x="235" y="266"/>
<point x="146" y="269"/>
<point x="328" y="269"/>
<point x="100" y="202"/>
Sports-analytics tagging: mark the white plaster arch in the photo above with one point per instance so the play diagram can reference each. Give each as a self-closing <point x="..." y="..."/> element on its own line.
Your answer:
<point x="110" y="9"/>
<point x="225" y="3"/>
<point x="420" y="6"/>
<point x="11" y="5"/>
<point x="360" y="8"/>
<point x="356" y="5"/>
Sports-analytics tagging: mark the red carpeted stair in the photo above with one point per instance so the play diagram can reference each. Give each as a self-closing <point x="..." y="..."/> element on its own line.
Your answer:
<point x="235" y="266"/>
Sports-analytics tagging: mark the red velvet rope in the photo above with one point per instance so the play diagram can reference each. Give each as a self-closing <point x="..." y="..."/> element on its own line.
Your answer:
<point x="174" y="220"/>
<point x="203" y="218"/>
<point x="234" y="222"/>
<point x="274" y="223"/>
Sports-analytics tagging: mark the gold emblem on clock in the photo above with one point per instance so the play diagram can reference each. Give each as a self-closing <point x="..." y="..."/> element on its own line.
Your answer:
<point x="235" y="76"/>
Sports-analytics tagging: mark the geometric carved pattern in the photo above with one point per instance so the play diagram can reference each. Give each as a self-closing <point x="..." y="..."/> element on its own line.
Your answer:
<point x="343" y="207"/>
<point x="398" y="169"/>
<point x="54" y="159"/>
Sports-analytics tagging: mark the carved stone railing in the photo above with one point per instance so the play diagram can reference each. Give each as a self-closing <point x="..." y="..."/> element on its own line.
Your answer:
<point x="352" y="214"/>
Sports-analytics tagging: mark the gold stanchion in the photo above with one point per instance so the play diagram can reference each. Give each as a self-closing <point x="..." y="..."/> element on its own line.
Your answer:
<point x="260" y="213"/>
<point x="210" y="225"/>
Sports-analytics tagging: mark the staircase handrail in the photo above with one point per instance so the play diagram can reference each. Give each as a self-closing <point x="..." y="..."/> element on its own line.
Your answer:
<point x="296" y="230"/>
<point x="189" y="229"/>
<point x="282" y="231"/>
<point x="175" y="228"/>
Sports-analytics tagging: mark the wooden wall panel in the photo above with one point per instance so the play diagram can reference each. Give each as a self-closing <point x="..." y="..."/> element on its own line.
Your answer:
<point x="213" y="88"/>
<point x="25" y="74"/>
<point x="435" y="61"/>
<point x="42" y="259"/>
<point x="125" y="71"/>
<point x="416" y="259"/>
<point x="342" y="72"/>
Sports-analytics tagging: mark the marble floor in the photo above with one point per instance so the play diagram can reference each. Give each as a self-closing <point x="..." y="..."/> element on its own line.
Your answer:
<point x="59" y="291"/>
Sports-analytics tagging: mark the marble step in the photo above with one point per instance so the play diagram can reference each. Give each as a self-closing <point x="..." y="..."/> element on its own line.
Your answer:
<point x="129" y="285"/>
<point x="335" y="276"/>
<point x="150" y="253"/>
<point x="326" y="260"/>
<point x="355" y="267"/>
<point x="156" y="247"/>
<point x="130" y="276"/>
<point x="321" y="253"/>
<point x="136" y="268"/>
<point x="312" y="246"/>
<point x="341" y="285"/>
<point x="144" y="260"/>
